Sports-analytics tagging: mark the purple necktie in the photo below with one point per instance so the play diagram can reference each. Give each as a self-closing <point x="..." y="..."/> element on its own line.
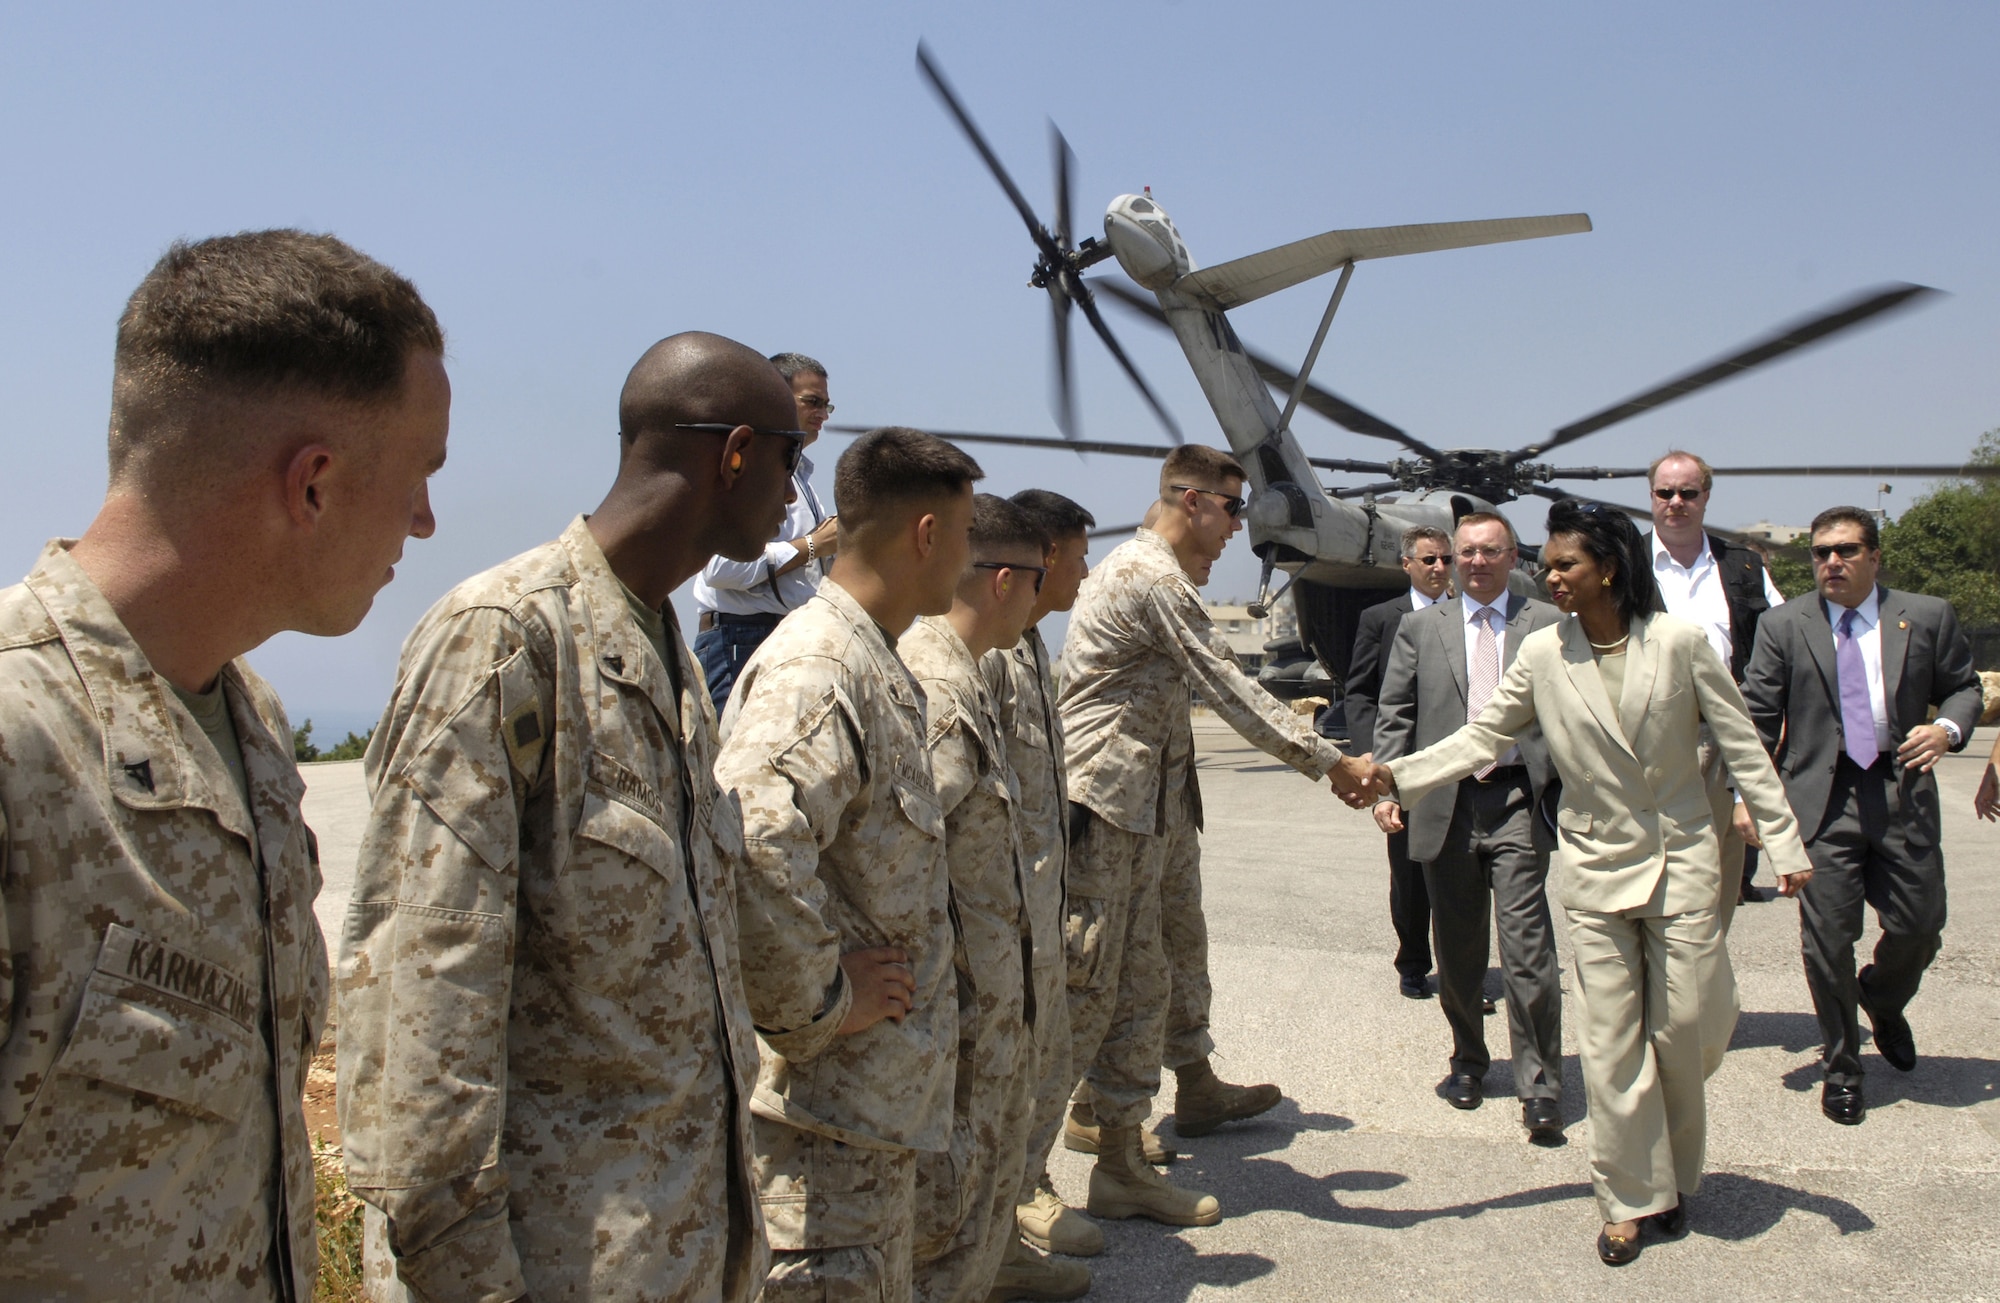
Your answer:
<point x="1857" y="717"/>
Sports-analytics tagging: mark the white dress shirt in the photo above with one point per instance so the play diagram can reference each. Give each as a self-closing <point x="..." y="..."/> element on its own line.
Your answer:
<point x="1473" y="607"/>
<point x="1696" y="593"/>
<point x="755" y="587"/>
<point x="1418" y="601"/>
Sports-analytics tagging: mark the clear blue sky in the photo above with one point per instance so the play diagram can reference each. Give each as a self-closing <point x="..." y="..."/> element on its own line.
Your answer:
<point x="567" y="185"/>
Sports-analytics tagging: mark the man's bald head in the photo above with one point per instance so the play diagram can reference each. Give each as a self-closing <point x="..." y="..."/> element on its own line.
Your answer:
<point x="698" y="378"/>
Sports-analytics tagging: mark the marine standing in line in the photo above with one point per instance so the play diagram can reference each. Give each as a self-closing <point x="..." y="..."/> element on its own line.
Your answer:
<point x="278" y="402"/>
<point x="1139" y="641"/>
<point x="844" y="897"/>
<point x="545" y="1052"/>
<point x="994" y="1096"/>
<point x="1024" y="692"/>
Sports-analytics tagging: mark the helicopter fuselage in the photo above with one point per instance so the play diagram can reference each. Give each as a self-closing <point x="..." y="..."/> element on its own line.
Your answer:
<point x="1291" y="518"/>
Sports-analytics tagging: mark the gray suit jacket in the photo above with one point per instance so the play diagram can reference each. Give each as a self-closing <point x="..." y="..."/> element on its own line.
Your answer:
<point x="1423" y="702"/>
<point x="1794" y="696"/>
<point x="1373" y="637"/>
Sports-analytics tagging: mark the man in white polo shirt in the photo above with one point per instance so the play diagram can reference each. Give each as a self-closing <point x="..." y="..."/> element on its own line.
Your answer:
<point x="742" y="601"/>
<point x="1724" y="588"/>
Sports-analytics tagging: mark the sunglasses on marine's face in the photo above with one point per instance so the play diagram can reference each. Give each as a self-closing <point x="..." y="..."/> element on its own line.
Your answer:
<point x="1039" y="572"/>
<point x="1230" y="502"/>
<point x="1845" y="551"/>
<point x="1685" y="495"/>
<point x="795" y="450"/>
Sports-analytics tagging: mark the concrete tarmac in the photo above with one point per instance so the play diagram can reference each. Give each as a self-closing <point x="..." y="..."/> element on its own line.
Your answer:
<point x="1365" y="1184"/>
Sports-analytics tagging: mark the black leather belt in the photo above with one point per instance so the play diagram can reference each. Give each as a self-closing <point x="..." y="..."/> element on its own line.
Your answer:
<point x="709" y="619"/>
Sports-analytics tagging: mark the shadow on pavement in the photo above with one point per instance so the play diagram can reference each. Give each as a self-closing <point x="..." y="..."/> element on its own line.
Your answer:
<point x="1736" y="1207"/>
<point x="1791" y="1031"/>
<point x="1170" y="1269"/>
<point x="1946" y="1081"/>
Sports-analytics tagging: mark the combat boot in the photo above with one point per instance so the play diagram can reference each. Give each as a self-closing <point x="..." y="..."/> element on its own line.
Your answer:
<point x="1027" y="1274"/>
<point x="1080" y="1135"/>
<point x="1123" y="1184"/>
<point x="1203" y="1101"/>
<point x="1054" y="1227"/>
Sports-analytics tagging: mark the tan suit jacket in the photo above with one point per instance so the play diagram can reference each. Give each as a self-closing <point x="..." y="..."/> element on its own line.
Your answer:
<point x="1634" y="803"/>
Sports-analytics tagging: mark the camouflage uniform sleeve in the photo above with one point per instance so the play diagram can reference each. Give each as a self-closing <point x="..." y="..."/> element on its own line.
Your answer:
<point x="954" y="751"/>
<point x="427" y="963"/>
<point x="1184" y="632"/>
<point x="794" y="760"/>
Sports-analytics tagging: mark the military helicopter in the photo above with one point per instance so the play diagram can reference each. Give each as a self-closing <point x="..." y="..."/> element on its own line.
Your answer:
<point x="1338" y="546"/>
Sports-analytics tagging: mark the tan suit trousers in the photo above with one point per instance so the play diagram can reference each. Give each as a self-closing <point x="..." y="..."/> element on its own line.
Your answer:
<point x="1643" y="983"/>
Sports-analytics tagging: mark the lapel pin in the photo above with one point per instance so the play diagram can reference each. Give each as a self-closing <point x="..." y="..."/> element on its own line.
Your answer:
<point x="1902" y="624"/>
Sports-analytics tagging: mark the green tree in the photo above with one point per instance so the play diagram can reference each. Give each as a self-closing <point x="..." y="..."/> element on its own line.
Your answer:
<point x="303" y="750"/>
<point x="351" y="747"/>
<point x="1948" y="543"/>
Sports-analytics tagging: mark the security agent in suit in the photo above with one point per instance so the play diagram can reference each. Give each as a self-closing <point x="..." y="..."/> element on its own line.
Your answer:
<point x="1839" y="685"/>
<point x="1481" y="840"/>
<point x="1427" y="560"/>
<point x="1725" y="589"/>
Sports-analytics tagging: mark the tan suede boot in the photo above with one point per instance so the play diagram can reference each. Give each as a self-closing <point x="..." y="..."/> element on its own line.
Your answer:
<point x="1027" y="1274"/>
<point x="1080" y="1135"/>
<point x="1054" y="1227"/>
<point x="1123" y="1184"/>
<point x="1203" y="1101"/>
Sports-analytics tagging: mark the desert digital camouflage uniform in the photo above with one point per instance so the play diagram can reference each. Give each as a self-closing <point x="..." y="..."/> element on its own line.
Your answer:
<point x="1024" y="698"/>
<point x="154" y="1031"/>
<point x="997" y="1069"/>
<point x="1139" y="641"/>
<point x="824" y="747"/>
<point x="545" y="1053"/>
<point x="1183" y="926"/>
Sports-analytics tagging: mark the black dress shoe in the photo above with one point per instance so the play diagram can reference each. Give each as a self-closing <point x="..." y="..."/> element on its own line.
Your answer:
<point x="1751" y="896"/>
<point x="1616" y="1250"/>
<point x="1893" y="1038"/>
<point x="1673" y="1223"/>
<point x="1544" y="1120"/>
<point x="1416" y="988"/>
<point x="1842" y="1104"/>
<point x="1463" y="1090"/>
<point x="1486" y="1005"/>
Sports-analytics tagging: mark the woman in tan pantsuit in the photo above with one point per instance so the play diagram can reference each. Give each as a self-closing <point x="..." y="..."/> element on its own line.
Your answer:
<point x="1621" y="693"/>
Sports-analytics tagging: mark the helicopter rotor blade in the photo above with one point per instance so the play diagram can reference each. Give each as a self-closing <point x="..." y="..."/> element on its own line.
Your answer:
<point x="1156" y="452"/>
<point x="1089" y="305"/>
<point x="1386" y="486"/>
<point x="1823" y="325"/>
<point x="1969" y="472"/>
<point x="1064" y="159"/>
<point x="935" y="75"/>
<point x="1113" y="531"/>
<point x="1645" y="517"/>
<point x="1325" y="402"/>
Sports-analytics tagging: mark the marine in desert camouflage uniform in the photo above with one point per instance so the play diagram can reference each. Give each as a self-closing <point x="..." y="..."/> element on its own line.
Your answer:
<point x="998" y="1068"/>
<point x="845" y="899"/>
<point x="1024" y="693"/>
<point x="279" y="400"/>
<point x="545" y="1051"/>
<point x="1138" y="642"/>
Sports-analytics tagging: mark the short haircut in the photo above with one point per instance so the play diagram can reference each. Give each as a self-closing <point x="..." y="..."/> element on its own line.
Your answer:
<point x="1000" y="526"/>
<point x="1614" y="543"/>
<point x="1707" y="471"/>
<point x="1198" y="466"/>
<point x="256" y="312"/>
<point x="1057" y="516"/>
<point x="1871" y="531"/>
<point x="895" y="466"/>
<point x="791" y="364"/>
<point x="1417" y="535"/>
<point x="1489" y="518"/>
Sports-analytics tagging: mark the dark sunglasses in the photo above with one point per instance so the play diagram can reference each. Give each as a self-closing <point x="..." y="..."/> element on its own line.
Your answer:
<point x="1039" y="572"/>
<point x="792" y="453"/>
<point x="1685" y="495"/>
<point x="1845" y="551"/>
<point x="1444" y="560"/>
<point x="1232" y="505"/>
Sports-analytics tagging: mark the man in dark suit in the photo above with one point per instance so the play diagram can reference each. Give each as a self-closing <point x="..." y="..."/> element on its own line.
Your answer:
<point x="1483" y="843"/>
<point x="1427" y="561"/>
<point x="1840" y="684"/>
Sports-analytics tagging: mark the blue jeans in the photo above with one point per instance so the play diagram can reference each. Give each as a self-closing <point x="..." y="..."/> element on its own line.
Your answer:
<point x="722" y="651"/>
